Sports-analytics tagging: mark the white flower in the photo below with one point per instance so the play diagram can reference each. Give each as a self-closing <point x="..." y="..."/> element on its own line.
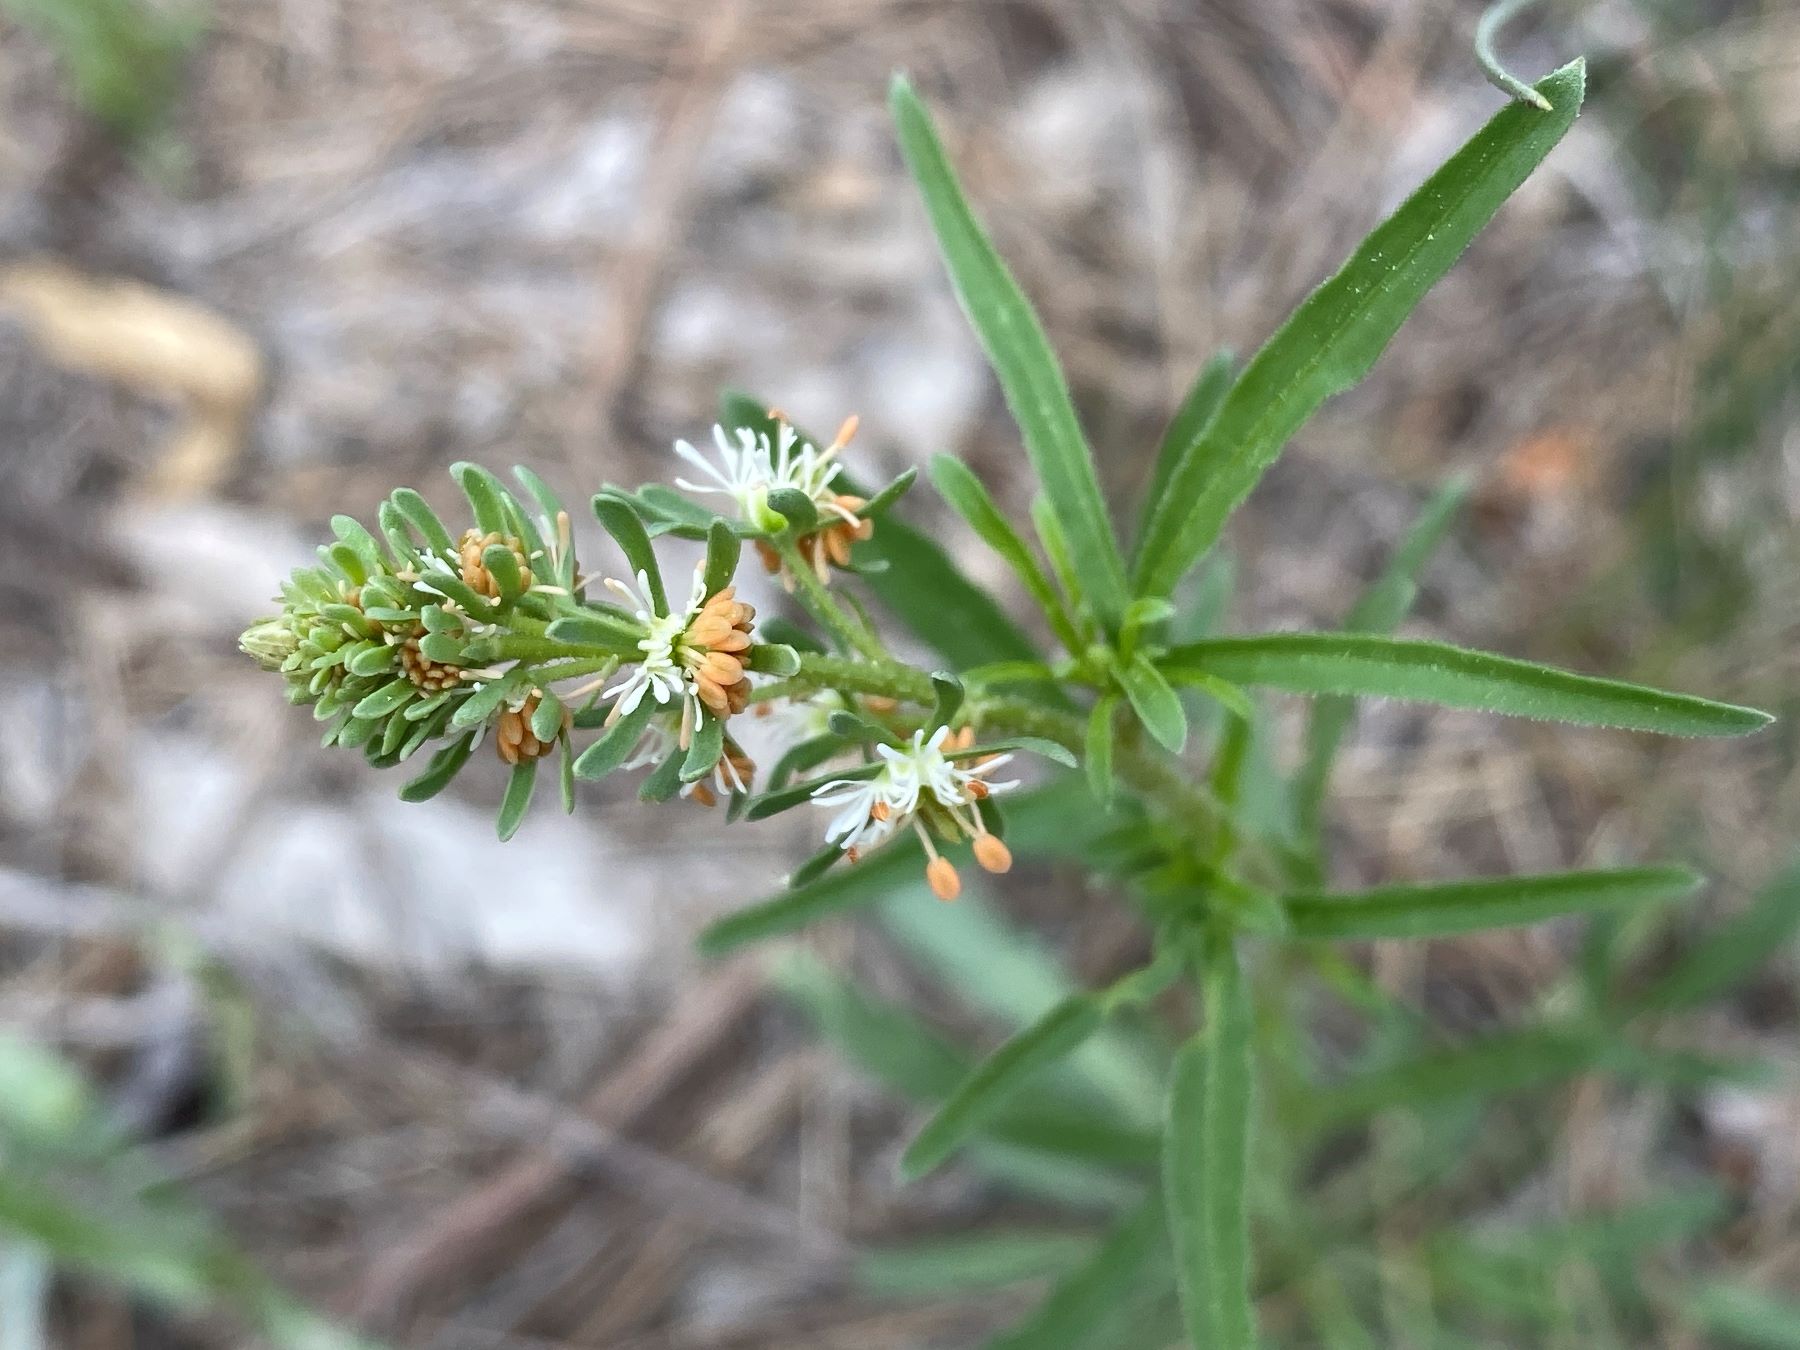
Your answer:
<point x="912" y="775"/>
<point x="662" y="737"/>
<point x="751" y="467"/>
<point x="658" y="673"/>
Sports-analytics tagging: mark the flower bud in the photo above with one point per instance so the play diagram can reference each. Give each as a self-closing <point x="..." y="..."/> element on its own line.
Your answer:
<point x="269" y="642"/>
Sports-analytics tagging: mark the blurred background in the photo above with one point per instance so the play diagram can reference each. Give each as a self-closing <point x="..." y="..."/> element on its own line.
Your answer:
<point x="263" y="260"/>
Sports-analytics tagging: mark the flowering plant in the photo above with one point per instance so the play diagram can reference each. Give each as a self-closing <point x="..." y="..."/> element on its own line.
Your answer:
<point x="424" y="637"/>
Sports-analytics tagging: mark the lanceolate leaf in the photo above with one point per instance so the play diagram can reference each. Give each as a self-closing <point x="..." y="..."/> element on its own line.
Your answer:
<point x="963" y="490"/>
<point x="1733" y="951"/>
<point x="614" y="744"/>
<point x="1157" y="705"/>
<point x="1206" y="1152"/>
<point x="893" y="1045"/>
<point x="1021" y="357"/>
<point x="933" y="1267"/>
<point x="1466" y="906"/>
<point x="1335" y="336"/>
<point x="992" y="1082"/>
<point x="1197" y="409"/>
<point x="1510" y="1061"/>
<point x="1455" y="677"/>
<point x="1094" y="1304"/>
<point x="615" y="512"/>
<point x="518" y="797"/>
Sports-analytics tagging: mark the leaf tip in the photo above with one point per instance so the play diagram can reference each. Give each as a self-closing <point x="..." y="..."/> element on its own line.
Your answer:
<point x="919" y="1160"/>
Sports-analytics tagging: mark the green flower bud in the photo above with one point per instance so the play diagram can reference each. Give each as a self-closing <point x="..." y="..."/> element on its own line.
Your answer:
<point x="269" y="642"/>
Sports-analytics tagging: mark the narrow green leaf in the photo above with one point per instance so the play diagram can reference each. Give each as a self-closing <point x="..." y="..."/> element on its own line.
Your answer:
<point x="774" y="802"/>
<point x="704" y="749"/>
<point x="1456" y="677"/>
<point x="422" y="518"/>
<point x="1054" y="751"/>
<point x="949" y="699"/>
<point x="486" y="700"/>
<point x="1728" y="956"/>
<point x="1206" y="1155"/>
<point x="542" y="493"/>
<point x="1157" y="705"/>
<point x="959" y="486"/>
<point x="402" y="544"/>
<point x="351" y="531"/>
<point x="801" y="513"/>
<point x="992" y="1082"/>
<point x="1223" y="692"/>
<point x="504" y="568"/>
<point x="614" y="511"/>
<point x="664" y="781"/>
<point x="1197" y="410"/>
<point x="600" y="628"/>
<point x="372" y="659"/>
<point x="894" y="1046"/>
<point x="441" y="647"/>
<point x="773" y="658"/>
<point x="923" y="587"/>
<point x="517" y="799"/>
<point x="1093" y="1307"/>
<point x="1468" y="906"/>
<point x="983" y="958"/>
<point x="547" y="717"/>
<point x="1500" y="1063"/>
<point x="722" y="549"/>
<point x="347" y="560"/>
<point x="484" y="493"/>
<point x="1020" y="354"/>
<point x="1336" y="334"/>
<point x="1098" y="757"/>
<point x="934" y="1268"/>
<point x="455" y="588"/>
<point x="389" y="698"/>
<point x="615" y="744"/>
<point x="1056" y="548"/>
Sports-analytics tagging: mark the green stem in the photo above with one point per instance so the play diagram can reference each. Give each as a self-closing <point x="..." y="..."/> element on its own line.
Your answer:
<point x="820" y="603"/>
<point x="551" y="671"/>
<point x="882" y="677"/>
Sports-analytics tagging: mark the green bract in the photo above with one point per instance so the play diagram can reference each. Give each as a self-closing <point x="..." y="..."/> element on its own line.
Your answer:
<point x="1138" y="713"/>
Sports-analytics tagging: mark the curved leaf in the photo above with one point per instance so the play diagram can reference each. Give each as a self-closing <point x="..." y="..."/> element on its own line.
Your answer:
<point x="959" y="486"/>
<point x="1206" y="1154"/>
<point x="1467" y="906"/>
<point x="1021" y="356"/>
<point x="1455" y="677"/>
<point x="994" y="1081"/>
<point x="1336" y="334"/>
<point x="1198" y="408"/>
<point x="1157" y="705"/>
